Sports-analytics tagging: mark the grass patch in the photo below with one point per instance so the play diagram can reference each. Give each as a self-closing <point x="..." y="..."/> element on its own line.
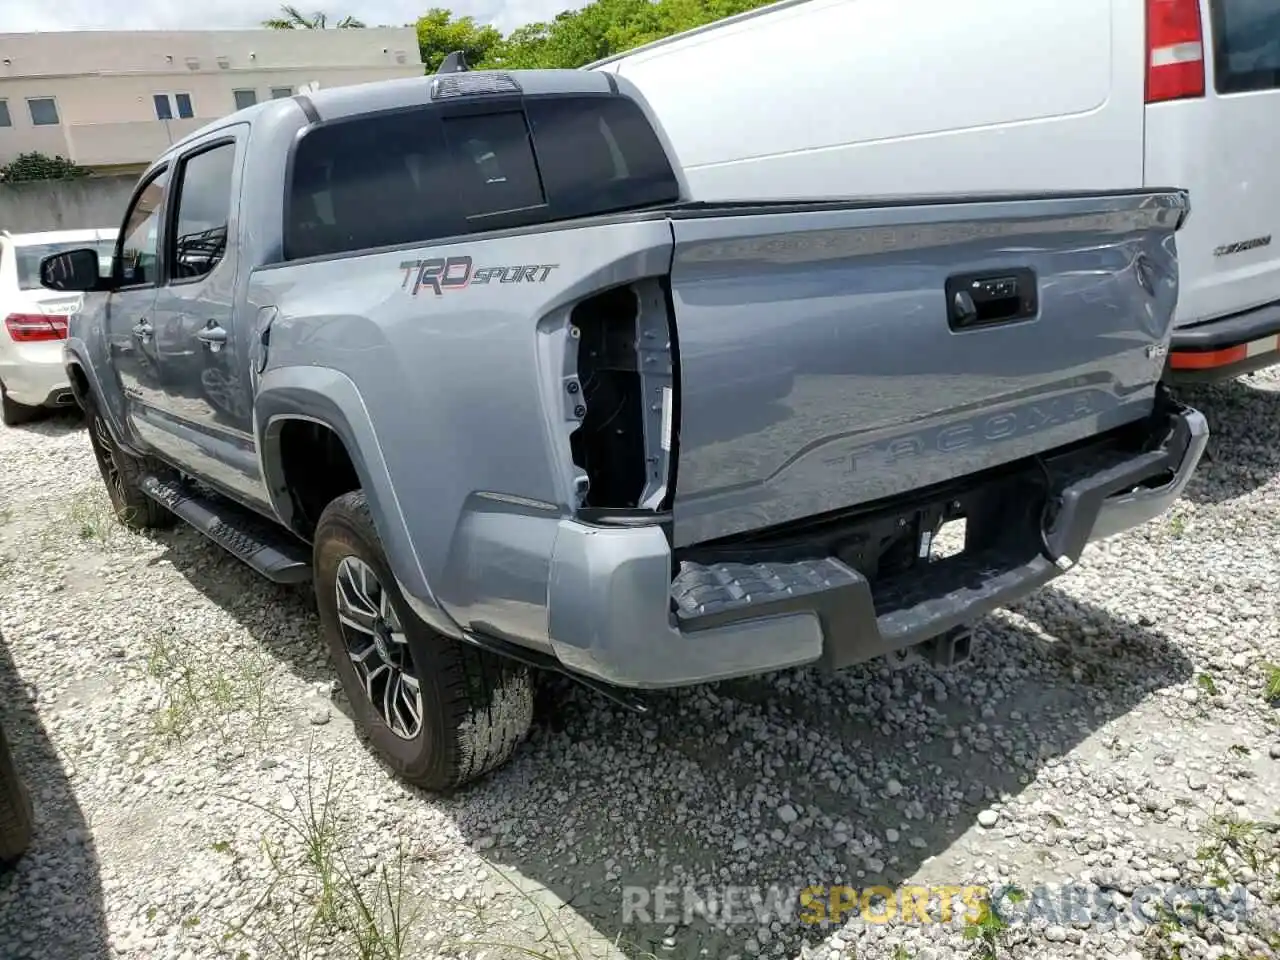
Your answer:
<point x="1271" y="682"/>
<point x="231" y="695"/>
<point x="92" y="518"/>
<point x="988" y="928"/>
<point x="315" y="904"/>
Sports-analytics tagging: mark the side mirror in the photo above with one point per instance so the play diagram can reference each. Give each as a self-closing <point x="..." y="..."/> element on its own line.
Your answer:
<point x="75" y="270"/>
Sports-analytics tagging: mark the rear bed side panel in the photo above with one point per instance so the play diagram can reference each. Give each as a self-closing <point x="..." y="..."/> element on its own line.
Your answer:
<point x="819" y="370"/>
<point x="459" y="393"/>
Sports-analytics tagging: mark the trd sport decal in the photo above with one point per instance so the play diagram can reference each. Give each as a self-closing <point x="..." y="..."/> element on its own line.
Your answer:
<point x="443" y="274"/>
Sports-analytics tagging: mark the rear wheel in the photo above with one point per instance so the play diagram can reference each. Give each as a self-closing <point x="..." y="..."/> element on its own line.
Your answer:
<point x="14" y="413"/>
<point x="122" y="473"/>
<point x="440" y="712"/>
<point x="15" y="808"/>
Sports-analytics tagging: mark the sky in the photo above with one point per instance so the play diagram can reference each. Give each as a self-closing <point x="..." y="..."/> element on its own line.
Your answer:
<point x="26" y="15"/>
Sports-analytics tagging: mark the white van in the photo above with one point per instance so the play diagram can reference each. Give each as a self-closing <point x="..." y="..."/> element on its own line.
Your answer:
<point x="810" y="98"/>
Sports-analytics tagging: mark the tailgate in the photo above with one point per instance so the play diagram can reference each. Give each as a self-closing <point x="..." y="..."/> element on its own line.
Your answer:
<point x="832" y="355"/>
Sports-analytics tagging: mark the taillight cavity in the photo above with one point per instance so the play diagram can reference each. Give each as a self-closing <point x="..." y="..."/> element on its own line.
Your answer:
<point x="623" y="392"/>
<point x="1175" y="50"/>
<point x="34" y="327"/>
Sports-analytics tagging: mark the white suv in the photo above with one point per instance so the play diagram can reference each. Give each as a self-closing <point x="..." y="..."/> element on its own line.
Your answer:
<point x="35" y="320"/>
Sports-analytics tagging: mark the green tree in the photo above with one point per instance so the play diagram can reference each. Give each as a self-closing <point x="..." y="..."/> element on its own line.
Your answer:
<point x="439" y="35"/>
<point x="607" y="27"/>
<point x="295" y="19"/>
<point x="39" y="166"/>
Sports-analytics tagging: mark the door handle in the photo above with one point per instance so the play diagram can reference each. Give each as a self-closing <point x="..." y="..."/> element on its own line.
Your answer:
<point x="143" y="330"/>
<point x="980" y="300"/>
<point x="214" y="335"/>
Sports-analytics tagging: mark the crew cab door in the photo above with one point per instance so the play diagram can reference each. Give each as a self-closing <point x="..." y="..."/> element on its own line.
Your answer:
<point x="130" y="308"/>
<point x="204" y="420"/>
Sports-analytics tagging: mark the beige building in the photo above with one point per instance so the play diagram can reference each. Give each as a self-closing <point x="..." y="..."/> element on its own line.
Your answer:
<point x="114" y="100"/>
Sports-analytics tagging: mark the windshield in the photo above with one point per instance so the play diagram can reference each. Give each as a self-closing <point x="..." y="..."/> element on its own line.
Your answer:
<point x="30" y="255"/>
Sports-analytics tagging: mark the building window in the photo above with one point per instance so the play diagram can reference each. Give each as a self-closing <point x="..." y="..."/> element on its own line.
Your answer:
<point x="44" y="111"/>
<point x="278" y="93"/>
<point x="245" y="98"/>
<point x="165" y="109"/>
<point x="5" y="119"/>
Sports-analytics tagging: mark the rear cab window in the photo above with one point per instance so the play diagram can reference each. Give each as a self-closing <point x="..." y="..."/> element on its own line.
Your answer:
<point x="433" y="171"/>
<point x="1246" y="45"/>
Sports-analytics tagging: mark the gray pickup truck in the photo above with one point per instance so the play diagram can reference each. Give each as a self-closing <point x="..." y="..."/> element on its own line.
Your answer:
<point x="462" y="351"/>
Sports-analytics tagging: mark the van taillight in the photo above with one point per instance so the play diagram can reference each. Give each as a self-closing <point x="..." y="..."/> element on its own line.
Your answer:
<point x="31" y="327"/>
<point x="1175" y="50"/>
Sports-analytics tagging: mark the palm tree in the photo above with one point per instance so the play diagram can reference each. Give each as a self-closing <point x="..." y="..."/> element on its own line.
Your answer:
<point x="295" y="19"/>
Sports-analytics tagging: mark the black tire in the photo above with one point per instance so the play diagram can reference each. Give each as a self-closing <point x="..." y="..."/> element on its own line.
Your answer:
<point x="15" y="414"/>
<point x="122" y="473"/>
<point x="16" y="820"/>
<point x="475" y="707"/>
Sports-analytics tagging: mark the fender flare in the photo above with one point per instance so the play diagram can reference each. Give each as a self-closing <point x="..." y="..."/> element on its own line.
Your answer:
<point x="76" y="358"/>
<point x="328" y="397"/>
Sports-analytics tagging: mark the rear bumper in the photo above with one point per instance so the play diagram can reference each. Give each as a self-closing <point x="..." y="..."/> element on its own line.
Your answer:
<point x="37" y="381"/>
<point x="616" y="614"/>
<point x="1225" y="348"/>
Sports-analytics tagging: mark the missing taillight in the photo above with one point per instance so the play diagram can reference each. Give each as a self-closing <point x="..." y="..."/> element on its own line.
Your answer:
<point x="609" y="444"/>
<point x="34" y="327"/>
<point x="625" y="438"/>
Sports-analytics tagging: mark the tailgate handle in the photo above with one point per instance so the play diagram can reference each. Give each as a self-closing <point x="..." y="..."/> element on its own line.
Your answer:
<point x="985" y="299"/>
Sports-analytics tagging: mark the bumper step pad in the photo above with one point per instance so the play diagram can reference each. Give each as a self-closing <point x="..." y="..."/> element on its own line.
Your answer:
<point x="700" y="591"/>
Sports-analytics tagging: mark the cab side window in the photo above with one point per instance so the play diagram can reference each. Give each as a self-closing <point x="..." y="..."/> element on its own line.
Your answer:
<point x="139" y="240"/>
<point x="204" y="210"/>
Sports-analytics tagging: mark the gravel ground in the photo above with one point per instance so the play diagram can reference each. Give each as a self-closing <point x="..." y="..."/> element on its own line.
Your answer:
<point x="201" y="792"/>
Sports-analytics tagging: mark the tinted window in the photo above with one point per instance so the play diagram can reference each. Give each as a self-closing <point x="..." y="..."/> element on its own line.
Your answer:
<point x="204" y="207"/>
<point x="163" y="111"/>
<point x="245" y="98"/>
<point x="5" y="119"/>
<point x="183" y="101"/>
<point x="140" y="237"/>
<point x="599" y="154"/>
<point x="1246" y="45"/>
<point x="412" y="177"/>
<point x="371" y="182"/>
<point x="493" y="163"/>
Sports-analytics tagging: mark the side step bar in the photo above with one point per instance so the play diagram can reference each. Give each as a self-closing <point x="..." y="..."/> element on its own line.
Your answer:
<point x="267" y="549"/>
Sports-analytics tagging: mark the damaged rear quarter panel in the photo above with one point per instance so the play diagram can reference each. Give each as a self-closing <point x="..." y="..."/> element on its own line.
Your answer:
<point x="456" y="352"/>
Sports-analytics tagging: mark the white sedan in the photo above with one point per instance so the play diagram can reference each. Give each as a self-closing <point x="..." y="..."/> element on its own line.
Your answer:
<point x="35" y="320"/>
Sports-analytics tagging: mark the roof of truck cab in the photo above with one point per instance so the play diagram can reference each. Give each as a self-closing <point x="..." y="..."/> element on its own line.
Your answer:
<point x="360" y="98"/>
<point x="357" y="98"/>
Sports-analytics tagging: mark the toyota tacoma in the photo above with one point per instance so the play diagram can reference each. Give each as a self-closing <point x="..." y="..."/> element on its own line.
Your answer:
<point x="462" y="352"/>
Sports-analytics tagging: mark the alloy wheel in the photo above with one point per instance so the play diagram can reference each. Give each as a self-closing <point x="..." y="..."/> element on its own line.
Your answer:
<point x="379" y="650"/>
<point x="106" y="456"/>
